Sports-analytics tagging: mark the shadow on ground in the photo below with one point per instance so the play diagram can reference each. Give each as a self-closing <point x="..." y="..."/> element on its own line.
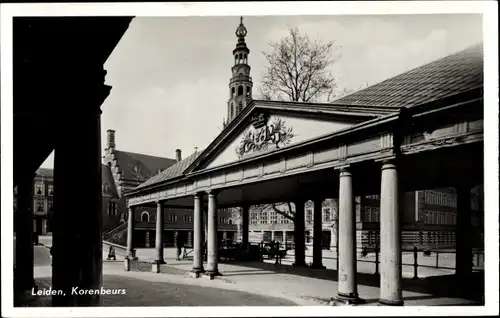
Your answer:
<point x="450" y="286"/>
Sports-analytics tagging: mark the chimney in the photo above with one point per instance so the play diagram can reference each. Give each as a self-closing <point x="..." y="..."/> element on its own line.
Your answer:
<point x="111" y="139"/>
<point x="178" y="155"/>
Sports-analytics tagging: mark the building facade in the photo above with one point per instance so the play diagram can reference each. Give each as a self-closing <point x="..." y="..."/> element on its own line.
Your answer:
<point x="123" y="171"/>
<point x="43" y="196"/>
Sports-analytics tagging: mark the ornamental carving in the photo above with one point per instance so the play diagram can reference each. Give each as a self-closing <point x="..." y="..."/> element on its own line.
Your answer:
<point x="264" y="135"/>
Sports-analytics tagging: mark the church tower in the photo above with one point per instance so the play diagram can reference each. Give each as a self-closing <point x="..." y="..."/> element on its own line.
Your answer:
<point x="240" y="85"/>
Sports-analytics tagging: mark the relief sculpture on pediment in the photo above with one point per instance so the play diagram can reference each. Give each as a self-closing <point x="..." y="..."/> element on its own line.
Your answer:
<point x="263" y="136"/>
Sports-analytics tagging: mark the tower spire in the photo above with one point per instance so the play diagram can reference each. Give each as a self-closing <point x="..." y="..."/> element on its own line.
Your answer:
<point x="240" y="84"/>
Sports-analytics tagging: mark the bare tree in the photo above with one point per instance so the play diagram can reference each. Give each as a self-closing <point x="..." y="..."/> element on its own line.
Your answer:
<point x="298" y="69"/>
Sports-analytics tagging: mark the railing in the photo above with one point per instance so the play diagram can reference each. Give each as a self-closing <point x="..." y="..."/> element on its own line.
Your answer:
<point x="271" y="249"/>
<point x="115" y="229"/>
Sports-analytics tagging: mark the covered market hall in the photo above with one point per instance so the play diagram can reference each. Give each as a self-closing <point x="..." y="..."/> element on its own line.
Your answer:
<point x="420" y="130"/>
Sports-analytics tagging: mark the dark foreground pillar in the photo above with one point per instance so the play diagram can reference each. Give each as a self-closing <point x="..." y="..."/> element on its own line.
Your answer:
<point x="23" y="221"/>
<point x="77" y="235"/>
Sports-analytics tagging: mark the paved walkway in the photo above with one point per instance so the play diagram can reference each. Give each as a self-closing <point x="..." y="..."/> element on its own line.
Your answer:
<point x="304" y="286"/>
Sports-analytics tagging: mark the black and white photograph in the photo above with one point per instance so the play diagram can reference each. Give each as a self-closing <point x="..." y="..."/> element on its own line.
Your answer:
<point x="249" y="159"/>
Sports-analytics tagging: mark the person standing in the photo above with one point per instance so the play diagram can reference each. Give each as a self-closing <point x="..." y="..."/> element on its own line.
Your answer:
<point x="179" y="244"/>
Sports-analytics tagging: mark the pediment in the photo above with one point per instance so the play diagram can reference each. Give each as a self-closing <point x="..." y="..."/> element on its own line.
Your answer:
<point x="263" y="130"/>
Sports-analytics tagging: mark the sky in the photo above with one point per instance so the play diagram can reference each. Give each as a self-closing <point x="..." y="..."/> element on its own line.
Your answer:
<point x="170" y="75"/>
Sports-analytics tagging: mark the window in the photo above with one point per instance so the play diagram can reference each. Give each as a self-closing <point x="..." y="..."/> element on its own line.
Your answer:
<point x="39" y="188"/>
<point x="172" y="218"/>
<point x="309" y="216"/>
<point x="426" y="220"/>
<point x="274" y="217"/>
<point x="326" y="214"/>
<point x="253" y="217"/>
<point x="144" y="216"/>
<point x="240" y="90"/>
<point x="248" y="91"/>
<point x="39" y="206"/>
<point x="263" y="217"/>
<point x="51" y="189"/>
<point x="229" y="221"/>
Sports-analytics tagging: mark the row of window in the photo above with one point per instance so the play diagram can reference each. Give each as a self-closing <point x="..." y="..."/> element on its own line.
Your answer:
<point x="265" y="217"/>
<point x="440" y="198"/>
<point x="40" y="189"/>
<point x="39" y="206"/>
<point x="172" y="218"/>
<point x="241" y="58"/>
<point x="436" y="217"/>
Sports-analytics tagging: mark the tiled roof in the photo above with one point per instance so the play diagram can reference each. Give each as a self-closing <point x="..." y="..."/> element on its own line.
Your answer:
<point x="174" y="171"/>
<point x="108" y="183"/>
<point x="139" y="167"/>
<point x="45" y="172"/>
<point x="447" y="76"/>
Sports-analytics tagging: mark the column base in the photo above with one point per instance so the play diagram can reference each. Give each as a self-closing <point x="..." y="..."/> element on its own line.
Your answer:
<point x="196" y="272"/>
<point x="387" y="302"/>
<point x="156" y="266"/>
<point x="348" y="299"/>
<point x="318" y="266"/>
<point x="211" y="274"/>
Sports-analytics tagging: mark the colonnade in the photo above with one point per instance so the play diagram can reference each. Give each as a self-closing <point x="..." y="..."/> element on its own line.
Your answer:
<point x="347" y="290"/>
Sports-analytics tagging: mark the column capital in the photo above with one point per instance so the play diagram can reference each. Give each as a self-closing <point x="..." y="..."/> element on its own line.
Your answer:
<point x="160" y="201"/>
<point x="212" y="192"/>
<point x="343" y="168"/>
<point x="389" y="164"/>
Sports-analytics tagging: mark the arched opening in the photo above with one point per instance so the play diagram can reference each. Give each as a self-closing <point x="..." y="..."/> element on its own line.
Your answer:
<point x="232" y="110"/>
<point x="248" y="91"/>
<point x="240" y="90"/>
<point x="232" y="92"/>
<point x="236" y="59"/>
<point x="229" y="221"/>
<point x="245" y="58"/>
<point x="241" y="57"/>
<point x="144" y="216"/>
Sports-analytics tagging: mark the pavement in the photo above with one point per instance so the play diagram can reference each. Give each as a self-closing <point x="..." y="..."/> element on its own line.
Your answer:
<point x="274" y="284"/>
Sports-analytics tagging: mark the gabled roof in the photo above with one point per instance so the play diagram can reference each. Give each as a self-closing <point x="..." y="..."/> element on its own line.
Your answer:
<point x="108" y="183"/>
<point x="172" y="172"/>
<point x="453" y="74"/>
<point x="140" y="167"/>
<point x="45" y="172"/>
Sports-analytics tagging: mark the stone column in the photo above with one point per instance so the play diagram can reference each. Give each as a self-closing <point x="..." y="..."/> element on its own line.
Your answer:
<point x="347" y="272"/>
<point x="299" y="232"/>
<point x="317" y="234"/>
<point x="463" y="265"/>
<point x="245" y="211"/>
<point x="23" y="222"/>
<point x="390" y="237"/>
<point x="212" y="244"/>
<point x="77" y="237"/>
<point x="130" y="234"/>
<point x="160" y="224"/>
<point x="272" y="236"/>
<point x="198" y="236"/>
